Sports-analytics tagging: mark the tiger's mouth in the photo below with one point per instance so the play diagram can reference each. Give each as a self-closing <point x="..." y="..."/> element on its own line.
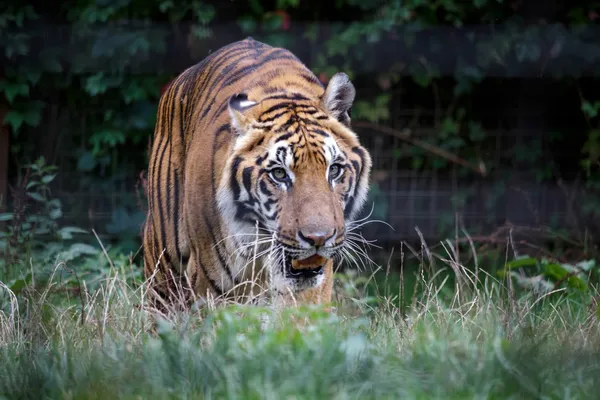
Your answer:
<point x="304" y="268"/>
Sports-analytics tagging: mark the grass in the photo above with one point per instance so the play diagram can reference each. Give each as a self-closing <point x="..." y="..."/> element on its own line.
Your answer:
<point x="457" y="338"/>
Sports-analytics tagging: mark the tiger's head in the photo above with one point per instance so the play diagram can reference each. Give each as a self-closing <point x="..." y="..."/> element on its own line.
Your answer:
<point x="298" y="173"/>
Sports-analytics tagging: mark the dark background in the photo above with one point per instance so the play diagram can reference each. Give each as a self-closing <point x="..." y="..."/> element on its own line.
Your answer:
<point x="481" y="116"/>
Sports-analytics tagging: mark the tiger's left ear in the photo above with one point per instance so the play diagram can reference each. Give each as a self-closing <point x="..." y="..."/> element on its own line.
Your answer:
<point x="338" y="97"/>
<point x="238" y="107"/>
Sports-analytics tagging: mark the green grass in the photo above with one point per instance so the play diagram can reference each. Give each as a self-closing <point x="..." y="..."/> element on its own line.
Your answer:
<point x="456" y="340"/>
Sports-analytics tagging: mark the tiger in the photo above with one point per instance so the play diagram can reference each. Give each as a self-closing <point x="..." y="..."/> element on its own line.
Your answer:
<point x="254" y="174"/>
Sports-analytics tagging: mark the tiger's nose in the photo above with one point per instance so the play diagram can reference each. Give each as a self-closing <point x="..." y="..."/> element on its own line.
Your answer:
<point x="316" y="239"/>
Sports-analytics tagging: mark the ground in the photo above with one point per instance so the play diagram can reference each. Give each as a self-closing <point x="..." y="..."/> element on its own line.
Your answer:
<point x="454" y="339"/>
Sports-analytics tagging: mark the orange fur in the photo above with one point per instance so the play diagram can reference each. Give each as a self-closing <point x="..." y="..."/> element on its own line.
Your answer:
<point x="211" y="182"/>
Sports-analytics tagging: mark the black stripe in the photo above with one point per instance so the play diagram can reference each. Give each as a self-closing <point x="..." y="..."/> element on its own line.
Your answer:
<point x="239" y="74"/>
<point x="285" y="136"/>
<point x="287" y="96"/>
<point x="307" y="121"/>
<point x="247" y="179"/>
<point x="280" y="154"/>
<point x="155" y="175"/>
<point x="202" y="75"/>
<point x="279" y="106"/>
<point x="349" y="206"/>
<point x="311" y="78"/>
<point x="320" y="132"/>
<point x="269" y="203"/>
<point x="267" y="90"/>
<point x="168" y="188"/>
<point x="306" y="108"/>
<point x="218" y="248"/>
<point x="213" y="284"/>
<point x="278" y="54"/>
<point x="274" y="117"/>
<point x="222" y="75"/>
<point x="219" y="131"/>
<point x="264" y="189"/>
<point x="223" y="128"/>
<point x="176" y="216"/>
<point x="356" y="167"/>
<point x="182" y="107"/>
<point x="274" y="216"/>
<point x="360" y="152"/>
<point x="169" y="169"/>
<point x="235" y="187"/>
<point x="159" y="200"/>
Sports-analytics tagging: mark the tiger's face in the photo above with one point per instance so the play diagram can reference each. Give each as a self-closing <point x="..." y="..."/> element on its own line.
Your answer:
<point x="297" y="176"/>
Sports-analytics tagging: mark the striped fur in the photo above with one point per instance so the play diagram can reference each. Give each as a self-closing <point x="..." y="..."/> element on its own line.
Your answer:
<point x="227" y="129"/>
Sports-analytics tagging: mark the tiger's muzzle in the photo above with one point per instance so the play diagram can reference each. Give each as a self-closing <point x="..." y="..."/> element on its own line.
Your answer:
<point x="307" y="257"/>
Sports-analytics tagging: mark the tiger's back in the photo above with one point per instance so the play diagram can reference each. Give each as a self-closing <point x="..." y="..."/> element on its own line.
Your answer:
<point x="191" y="159"/>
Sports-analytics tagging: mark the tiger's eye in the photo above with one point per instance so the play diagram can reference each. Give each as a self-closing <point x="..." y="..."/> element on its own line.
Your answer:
<point x="278" y="174"/>
<point x="335" y="171"/>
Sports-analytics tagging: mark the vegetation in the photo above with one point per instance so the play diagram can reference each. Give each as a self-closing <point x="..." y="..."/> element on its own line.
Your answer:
<point x="472" y="316"/>
<point x="473" y="338"/>
<point x="447" y="329"/>
<point x="98" y="98"/>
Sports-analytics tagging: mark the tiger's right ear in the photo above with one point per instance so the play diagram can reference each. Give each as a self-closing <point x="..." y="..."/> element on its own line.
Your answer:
<point x="338" y="97"/>
<point x="238" y="106"/>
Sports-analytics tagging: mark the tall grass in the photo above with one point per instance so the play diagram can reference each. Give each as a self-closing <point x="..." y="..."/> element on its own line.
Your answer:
<point x="462" y="335"/>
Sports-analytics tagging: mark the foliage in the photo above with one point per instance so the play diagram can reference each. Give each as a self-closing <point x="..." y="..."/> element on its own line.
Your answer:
<point x="110" y="83"/>
<point x="34" y="235"/>
<point x="103" y="345"/>
<point x="545" y="276"/>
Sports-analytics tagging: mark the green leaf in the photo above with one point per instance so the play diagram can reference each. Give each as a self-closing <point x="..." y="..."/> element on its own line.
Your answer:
<point x="52" y="65"/>
<point x="586" y="265"/>
<point x="19" y="284"/>
<point x="33" y="75"/>
<point x="589" y="109"/>
<point x="576" y="283"/>
<point x="476" y="132"/>
<point x="36" y="197"/>
<point x="6" y="217"/>
<point x="56" y="213"/>
<point x="257" y="8"/>
<point x="165" y="5"/>
<point x="99" y="83"/>
<point x="66" y="233"/>
<point x="449" y="126"/>
<point x="479" y="3"/>
<point x="48" y="178"/>
<point x="76" y="250"/>
<point x="416" y="163"/>
<point x="247" y="24"/>
<point x="12" y="90"/>
<point x="41" y="231"/>
<point x="555" y="271"/>
<point x="86" y="162"/>
<point x="522" y="262"/>
<point x="14" y="119"/>
<point x="422" y="80"/>
<point x="108" y="137"/>
<point x="31" y="184"/>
